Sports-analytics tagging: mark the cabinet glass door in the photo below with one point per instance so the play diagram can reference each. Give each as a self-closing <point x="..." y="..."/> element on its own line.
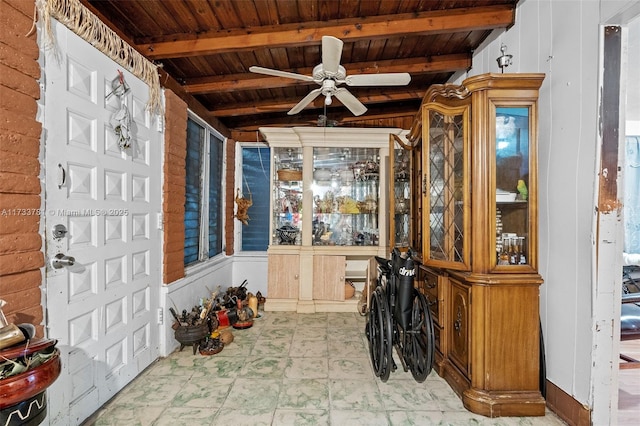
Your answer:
<point x="399" y="194"/>
<point x="512" y="158"/>
<point x="287" y="196"/>
<point x="445" y="187"/>
<point x="345" y="196"/>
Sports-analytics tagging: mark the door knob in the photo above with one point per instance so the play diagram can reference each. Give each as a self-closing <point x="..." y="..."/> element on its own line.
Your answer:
<point x="61" y="260"/>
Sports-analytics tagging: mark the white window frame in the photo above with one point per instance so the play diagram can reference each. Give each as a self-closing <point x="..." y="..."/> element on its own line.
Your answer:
<point x="239" y="179"/>
<point x="203" y="240"/>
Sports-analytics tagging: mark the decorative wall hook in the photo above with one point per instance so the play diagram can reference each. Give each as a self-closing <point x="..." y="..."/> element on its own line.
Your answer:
<point x="119" y="86"/>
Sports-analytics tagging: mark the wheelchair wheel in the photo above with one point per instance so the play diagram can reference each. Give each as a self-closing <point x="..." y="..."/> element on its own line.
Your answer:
<point x="379" y="335"/>
<point x="420" y="342"/>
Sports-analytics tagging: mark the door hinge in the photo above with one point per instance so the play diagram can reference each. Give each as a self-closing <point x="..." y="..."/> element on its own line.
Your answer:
<point x="160" y="316"/>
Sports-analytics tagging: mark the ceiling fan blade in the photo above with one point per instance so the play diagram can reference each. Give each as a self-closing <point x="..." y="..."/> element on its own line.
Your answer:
<point x="383" y="79"/>
<point x="305" y="101"/>
<point x="278" y="73"/>
<point x="331" y="54"/>
<point x="350" y="101"/>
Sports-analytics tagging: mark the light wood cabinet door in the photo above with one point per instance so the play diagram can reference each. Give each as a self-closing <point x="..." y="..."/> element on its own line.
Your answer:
<point x="328" y="277"/>
<point x="283" y="276"/>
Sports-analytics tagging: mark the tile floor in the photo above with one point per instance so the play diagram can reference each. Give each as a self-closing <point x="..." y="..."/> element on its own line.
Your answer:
<point x="289" y="369"/>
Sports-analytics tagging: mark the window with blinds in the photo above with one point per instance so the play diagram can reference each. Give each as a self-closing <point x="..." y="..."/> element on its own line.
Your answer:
<point x="203" y="221"/>
<point x="256" y="166"/>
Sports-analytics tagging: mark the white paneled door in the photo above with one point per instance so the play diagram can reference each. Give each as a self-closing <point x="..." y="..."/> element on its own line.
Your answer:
<point x="102" y="207"/>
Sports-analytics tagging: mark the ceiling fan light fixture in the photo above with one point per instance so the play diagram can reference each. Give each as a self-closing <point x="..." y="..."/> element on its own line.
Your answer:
<point x="327" y="99"/>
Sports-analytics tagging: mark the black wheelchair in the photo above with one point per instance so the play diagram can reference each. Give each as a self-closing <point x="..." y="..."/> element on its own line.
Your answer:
<point x="399" y="317"/>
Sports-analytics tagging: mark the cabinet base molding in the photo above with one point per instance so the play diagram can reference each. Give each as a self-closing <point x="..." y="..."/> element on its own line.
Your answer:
<point x="458" y="382"/>
<point x="306" y="307"/>
<point x="439" y="362"/>
<point x="504" y="403"/>
<point x="310" y="306"/>
<point x="280" y="305"/>
<point x="493" y="403"/>
<point x="350" y="305"/>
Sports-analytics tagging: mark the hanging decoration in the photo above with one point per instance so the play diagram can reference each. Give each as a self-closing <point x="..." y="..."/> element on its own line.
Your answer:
<point x="121" y="119"/>
<point x="243" y="205"/>
<point x="80" y="20"/>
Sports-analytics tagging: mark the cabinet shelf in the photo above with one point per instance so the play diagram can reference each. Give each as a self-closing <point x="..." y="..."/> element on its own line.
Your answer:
<point x="515" y="202"/>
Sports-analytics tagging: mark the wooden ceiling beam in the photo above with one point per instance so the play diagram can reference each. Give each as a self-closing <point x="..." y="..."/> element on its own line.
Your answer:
<point x="247" y="136"/>
<point x="251" y="124"/>
<point x="285" y="105"/>
<point x="300" y="34"/>
<point x="250" y="81"/>
<point x="341" y="115"/>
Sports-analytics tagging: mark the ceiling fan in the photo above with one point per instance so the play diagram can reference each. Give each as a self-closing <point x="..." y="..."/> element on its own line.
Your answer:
<point x="330" y="74"/>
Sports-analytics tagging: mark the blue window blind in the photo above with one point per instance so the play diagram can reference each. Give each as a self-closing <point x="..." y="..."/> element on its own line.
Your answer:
<point x="215" y="195"/>
<point x="255" y="171"/>
<point x="203" y="218"/>
<point x="192" y="206"/>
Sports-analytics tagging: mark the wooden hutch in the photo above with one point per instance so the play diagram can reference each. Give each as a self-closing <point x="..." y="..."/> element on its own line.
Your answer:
<point x="474" y="218"/>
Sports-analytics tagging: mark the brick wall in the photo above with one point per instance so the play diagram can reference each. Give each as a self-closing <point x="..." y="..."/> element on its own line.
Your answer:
<point x="173" y="189"/>
<point x="21" y="256"/>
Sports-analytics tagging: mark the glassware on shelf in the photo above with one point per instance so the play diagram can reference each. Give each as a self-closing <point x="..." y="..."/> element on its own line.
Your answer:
<point x="399" y="195"/>
<point x="345" y="196"/>
<point x="287" y="234"/>
<point x="511" y="250"/>
<point x="512" y="178"/>
<point x="287" y="196"/>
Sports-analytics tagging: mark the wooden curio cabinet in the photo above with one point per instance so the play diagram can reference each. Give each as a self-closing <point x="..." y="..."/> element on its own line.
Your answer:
<point x="478" y="196"/>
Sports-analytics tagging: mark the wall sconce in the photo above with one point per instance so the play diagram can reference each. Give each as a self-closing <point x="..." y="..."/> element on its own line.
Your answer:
<point x="504" y="60"/>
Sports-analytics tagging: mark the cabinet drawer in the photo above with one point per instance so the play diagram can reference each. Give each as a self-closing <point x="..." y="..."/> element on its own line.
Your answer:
<point x="429" y="285"/>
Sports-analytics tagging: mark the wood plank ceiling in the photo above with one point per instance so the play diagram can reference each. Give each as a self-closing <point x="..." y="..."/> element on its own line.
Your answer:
<point x="207" y="46"/>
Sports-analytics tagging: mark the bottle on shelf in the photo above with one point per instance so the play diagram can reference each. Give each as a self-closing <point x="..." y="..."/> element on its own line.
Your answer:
<point x="523" y="258"/>
<point x="503" y="257"/>
<point x="514" y="251"/>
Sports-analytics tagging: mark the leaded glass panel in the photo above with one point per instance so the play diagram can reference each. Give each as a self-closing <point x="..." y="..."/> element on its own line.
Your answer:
<point x="446" y="172"/>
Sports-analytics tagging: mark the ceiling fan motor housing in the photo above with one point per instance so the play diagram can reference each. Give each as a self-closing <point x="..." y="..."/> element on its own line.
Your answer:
<point x="319" y="74"/>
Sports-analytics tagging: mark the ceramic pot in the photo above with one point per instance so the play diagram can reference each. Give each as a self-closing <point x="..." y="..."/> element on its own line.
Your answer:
<point x="226" y="336"/>
<point x="191" y="335"/>
<point x="21" y="387"/>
